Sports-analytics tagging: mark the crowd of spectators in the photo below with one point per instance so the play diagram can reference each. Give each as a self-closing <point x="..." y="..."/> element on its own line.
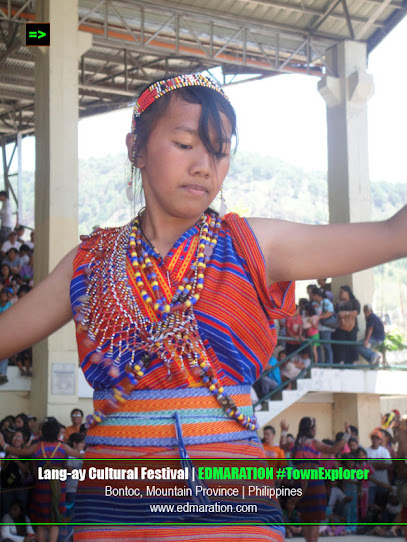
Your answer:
<point x="22" y="494"/>
<point x="305" y="337"/>
<point x="353" y="503"/>
<point x="16" y="279"/>
<point x="350" y="502"/>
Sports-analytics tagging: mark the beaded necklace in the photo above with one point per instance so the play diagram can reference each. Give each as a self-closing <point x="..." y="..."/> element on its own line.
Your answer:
<point x="173" y="334"/>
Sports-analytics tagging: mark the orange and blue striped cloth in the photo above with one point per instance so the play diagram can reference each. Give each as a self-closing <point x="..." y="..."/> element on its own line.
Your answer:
<point x="235" y="316"/>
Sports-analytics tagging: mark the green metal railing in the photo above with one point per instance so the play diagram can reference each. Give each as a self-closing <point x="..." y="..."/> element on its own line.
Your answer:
<point x="309" y="343"/>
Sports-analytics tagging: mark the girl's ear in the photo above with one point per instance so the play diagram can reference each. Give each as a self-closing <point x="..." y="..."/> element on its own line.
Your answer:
<point x="137" y="159"/>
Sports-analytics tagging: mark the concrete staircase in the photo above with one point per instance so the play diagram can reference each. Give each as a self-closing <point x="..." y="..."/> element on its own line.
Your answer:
<point x="382" y="382"/>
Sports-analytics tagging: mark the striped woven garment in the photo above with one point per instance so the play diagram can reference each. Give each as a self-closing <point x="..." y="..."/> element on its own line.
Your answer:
<point x="235" y="316"/>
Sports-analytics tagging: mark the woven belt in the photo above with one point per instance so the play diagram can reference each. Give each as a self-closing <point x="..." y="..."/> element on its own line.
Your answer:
<point x="169" y="418"/>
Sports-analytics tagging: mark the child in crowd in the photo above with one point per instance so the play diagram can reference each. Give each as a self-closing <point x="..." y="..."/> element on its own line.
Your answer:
<point x="310" y="325"/>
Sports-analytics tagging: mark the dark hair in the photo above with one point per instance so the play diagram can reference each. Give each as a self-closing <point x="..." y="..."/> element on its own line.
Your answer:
<point x="50" y="429"/>
<point x="348" y="289"/>
<point x="328" y="441"/>
<point x="354" y="429"/>
<point x="20" y="518"/>
<point x="353" y="439"/>
<point x="303" y="301"/>
<point x="12" y="249"/>
<point x="270" y="428"/>
<point x="77" y="410"/>
<point x="25" y="247"/>
<point x="339" y="436"/>
<point x="24" y="288"/>
<point x="290" y="435"/>
<point x="361" y="449"/>
<point x="3" y="193"/>
<point x="311" y="286"/>
<point x="25" y="431"/>
<point x="75" y="438"/>
<point x="24" y="417"/>
<point x="304" y="431"/>
<point x="310" y="310"/>
<point x="317" y="291"/>
<point x="212" y="102"/>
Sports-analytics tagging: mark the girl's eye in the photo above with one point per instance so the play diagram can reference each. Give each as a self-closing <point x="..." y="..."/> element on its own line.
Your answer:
<point x="184" y="146"/>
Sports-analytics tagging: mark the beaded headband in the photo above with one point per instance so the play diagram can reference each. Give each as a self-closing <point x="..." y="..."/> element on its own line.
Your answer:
<point x="160" y="88"/>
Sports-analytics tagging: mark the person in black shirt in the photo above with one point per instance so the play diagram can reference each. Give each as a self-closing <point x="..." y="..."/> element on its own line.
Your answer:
<point x="374" y="336"/>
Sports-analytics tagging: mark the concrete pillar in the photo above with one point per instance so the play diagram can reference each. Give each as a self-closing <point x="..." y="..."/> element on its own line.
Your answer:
<point x="359" y="409"/>
<point x="54" y="385"/>
<point x="346" y="95"/>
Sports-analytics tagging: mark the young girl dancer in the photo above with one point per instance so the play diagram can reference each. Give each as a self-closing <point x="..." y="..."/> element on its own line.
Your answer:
<point x="175" y="310"/>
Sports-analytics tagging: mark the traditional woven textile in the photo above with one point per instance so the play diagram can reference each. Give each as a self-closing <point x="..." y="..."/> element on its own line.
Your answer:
<point x="312" y="506"/>
<point x="179" y="534"/>
<point x="92" y="505"/>
<point x="235" y="316"/>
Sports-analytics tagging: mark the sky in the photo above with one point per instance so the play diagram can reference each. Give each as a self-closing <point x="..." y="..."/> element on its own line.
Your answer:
<point x="285" y="117"/>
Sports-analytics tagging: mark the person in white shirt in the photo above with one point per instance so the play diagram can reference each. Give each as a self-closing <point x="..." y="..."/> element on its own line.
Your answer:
<point x="378" y="493"/>
<point x="17" y="533"/>
<point x="10" y="243"/>
<point x="6" y="216"/>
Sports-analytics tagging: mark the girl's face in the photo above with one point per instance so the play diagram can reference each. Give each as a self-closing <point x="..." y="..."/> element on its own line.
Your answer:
<point x="5" y="271"/>
<point x="180" y="177"/>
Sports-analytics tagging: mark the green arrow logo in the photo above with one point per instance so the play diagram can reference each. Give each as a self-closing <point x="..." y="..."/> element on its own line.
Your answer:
<point x="35" y="34"/>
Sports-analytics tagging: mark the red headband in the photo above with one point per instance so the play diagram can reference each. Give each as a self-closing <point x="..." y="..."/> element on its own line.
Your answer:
<point x="159" y="88"/>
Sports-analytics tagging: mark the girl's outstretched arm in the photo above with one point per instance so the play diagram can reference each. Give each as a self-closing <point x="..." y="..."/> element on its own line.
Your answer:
<point x="39" y="313"/>
<point x="296" y="251"/>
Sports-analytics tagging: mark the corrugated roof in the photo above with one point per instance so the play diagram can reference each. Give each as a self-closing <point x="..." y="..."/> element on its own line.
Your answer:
<point x="137" y="41"/>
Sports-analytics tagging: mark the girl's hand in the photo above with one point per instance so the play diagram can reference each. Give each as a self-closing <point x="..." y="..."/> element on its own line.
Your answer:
<point x="347" y="428"/>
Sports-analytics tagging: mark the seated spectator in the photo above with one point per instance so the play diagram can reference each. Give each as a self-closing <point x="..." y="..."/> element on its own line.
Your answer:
<point x="10" y="243"/>
<point x="13" y="261"/>
<point x="374" y="336"/>
<point x="15" y="532"/>
<point x="27" y="271"/>
<point x="293" y="367"/>
<point x="16" y="476"/>
<point x="302" y="359"/>
<point x="270" y="379"/>
<point x="5" y="275"/>
<point x="24" y="254"/>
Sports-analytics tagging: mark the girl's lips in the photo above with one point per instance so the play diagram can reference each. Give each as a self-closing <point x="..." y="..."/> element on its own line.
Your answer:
<point x="195" y="189"/>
